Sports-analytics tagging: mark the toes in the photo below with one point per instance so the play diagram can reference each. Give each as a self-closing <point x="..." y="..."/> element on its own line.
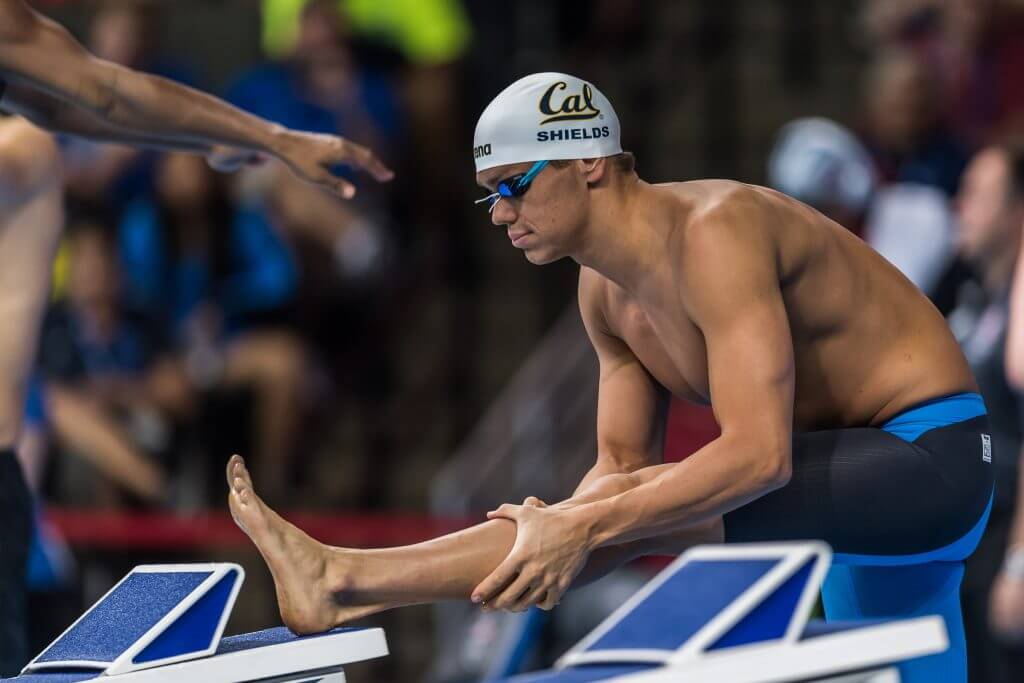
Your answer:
<point x="231" y="468"/>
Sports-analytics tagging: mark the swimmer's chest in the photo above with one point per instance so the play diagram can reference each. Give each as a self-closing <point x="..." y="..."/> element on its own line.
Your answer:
<point x="673" y="351"/>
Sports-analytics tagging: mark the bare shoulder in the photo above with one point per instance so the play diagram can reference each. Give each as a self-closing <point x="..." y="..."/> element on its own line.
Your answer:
<point x="724" y="220"/>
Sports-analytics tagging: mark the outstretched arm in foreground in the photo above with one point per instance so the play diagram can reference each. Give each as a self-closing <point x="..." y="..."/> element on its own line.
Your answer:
<point x="319" y="587"/>
<point x="61" y="86"/>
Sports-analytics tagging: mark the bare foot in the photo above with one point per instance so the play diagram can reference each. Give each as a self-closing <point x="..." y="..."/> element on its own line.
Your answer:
<point x="297" y="562"/>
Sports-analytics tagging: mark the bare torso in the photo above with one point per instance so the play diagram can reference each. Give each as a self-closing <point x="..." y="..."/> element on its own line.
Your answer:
<point x="867" y="344"/>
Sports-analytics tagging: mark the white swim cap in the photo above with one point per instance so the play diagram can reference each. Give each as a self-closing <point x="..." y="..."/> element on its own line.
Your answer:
<point x="546" y="116"/>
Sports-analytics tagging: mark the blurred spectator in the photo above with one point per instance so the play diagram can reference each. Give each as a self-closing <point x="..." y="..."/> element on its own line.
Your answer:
<point x="101" y="375"/>
<point x="906" y="132"/>
<point x="990" y="207"/>
<point x="976" y="50"/>
<point x="823" y="164"/>
<point x="219" y="278"/>
<point x="101" y="175"/>
<point x="914" y="228"/>
<point x="319" y="86"/>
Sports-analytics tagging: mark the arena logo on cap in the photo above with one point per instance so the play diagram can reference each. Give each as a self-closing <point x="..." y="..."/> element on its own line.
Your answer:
<point x="572" y="108"/>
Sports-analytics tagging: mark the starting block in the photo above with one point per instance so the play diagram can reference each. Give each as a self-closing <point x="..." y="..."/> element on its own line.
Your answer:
<point x="740" y="613"/>
<point x="164" y="623"/>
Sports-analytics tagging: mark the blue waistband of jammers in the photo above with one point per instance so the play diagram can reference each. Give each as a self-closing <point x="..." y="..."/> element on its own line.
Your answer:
<point x="940" y="412"/>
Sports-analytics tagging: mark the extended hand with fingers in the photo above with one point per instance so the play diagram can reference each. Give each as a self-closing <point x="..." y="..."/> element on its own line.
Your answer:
<point x="549" y="551"/>
<point x="311" y="156"/>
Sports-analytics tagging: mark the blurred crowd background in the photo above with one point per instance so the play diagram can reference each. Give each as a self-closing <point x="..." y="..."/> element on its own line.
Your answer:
<point x="390" y="359"/>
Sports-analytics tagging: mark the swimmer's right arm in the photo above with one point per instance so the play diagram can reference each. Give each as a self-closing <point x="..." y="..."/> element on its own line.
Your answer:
<point x="41" y="54"/>
<point x="631" y="407"/>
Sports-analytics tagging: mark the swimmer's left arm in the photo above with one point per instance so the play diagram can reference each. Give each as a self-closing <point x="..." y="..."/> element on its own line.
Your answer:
<point x="729" y="284"/>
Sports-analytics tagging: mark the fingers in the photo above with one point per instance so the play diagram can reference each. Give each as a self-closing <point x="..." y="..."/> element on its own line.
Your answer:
<point x="501" y="577"/>
<point x="333" y="183"/>
<point x="368" y="161"/>
<point x="532" y="596"/>
<point x="533" y="501"/>
<point x="343" y="188"/>
<point x="505" y="511"/>
<point x="509" y="598"/>
<point x="550" y="601"/>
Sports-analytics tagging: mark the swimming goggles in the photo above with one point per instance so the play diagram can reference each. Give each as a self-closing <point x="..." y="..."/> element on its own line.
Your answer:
<point x="513" y="186"/>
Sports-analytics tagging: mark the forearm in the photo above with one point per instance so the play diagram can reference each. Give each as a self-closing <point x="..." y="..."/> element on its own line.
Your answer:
<point x="718" y="478"/>
<point x="60" y="116"/>
<point x="81" y="95"/>
<point x="71" y="121"/>
<point x="157" y="108"/>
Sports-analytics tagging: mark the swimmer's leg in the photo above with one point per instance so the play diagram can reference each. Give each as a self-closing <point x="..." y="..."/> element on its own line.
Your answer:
<point x="319" y="587"/>
<point x="853" y="592"/>
<point x="31" y="217"/>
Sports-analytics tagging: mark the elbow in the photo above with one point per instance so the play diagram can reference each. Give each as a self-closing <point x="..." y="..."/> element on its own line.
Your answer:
<point x="777" y="473"/>
<point x="771" y="466"/>
<point x="768" y="457"/>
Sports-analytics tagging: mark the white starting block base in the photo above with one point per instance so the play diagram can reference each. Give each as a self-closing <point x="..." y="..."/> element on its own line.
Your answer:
<point x="164" y="623"/>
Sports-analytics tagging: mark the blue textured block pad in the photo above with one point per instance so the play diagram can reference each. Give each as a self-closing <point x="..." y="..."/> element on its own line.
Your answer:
<point x="697" y="592"/>
<point x="135" y="606"/>
<point x="194" y="630"/>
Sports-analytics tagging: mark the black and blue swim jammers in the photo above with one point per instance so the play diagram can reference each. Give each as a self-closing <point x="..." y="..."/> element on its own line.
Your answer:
<point x="917" y="489"/>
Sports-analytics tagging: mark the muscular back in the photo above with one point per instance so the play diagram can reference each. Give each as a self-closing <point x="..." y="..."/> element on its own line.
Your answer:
<point x="866" y="343"/>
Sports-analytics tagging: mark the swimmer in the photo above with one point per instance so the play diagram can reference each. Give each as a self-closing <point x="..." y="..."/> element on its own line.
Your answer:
<point x="847" y="410"/>
<point x="50" y="79"/>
